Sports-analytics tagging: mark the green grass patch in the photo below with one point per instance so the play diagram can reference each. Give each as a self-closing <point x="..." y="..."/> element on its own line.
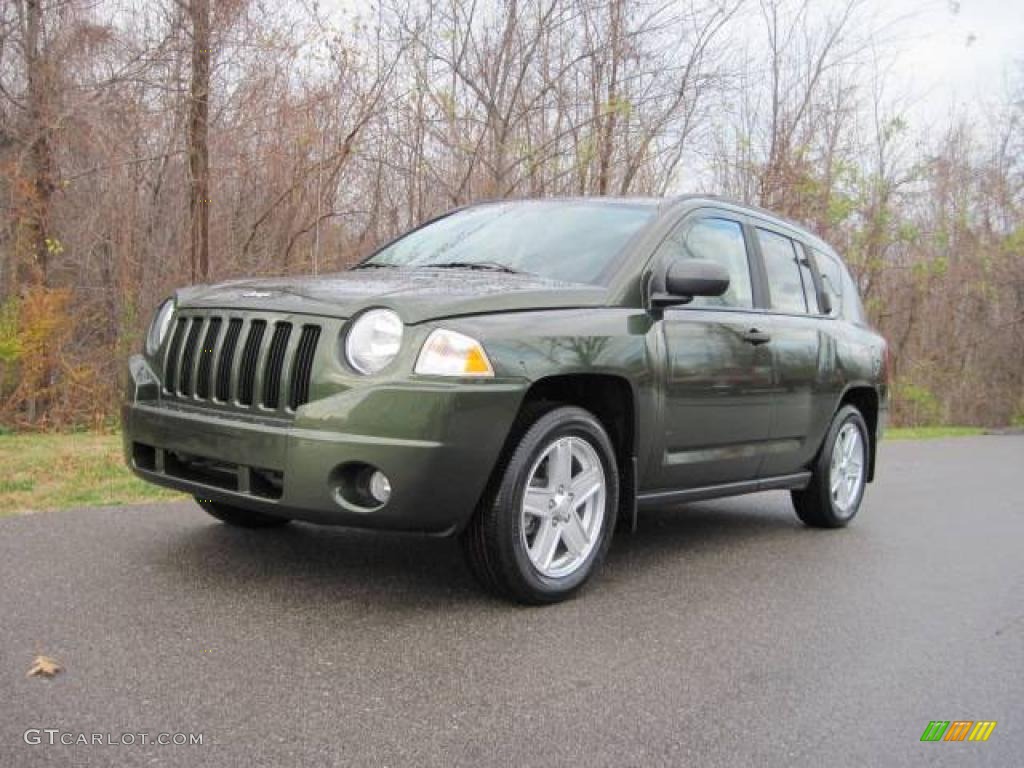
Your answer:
<point x="49" y="471"/>
<point x="930" y="433"/>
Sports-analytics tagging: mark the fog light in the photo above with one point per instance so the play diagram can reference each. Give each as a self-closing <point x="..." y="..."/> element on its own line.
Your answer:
<point x="380" y="487"/>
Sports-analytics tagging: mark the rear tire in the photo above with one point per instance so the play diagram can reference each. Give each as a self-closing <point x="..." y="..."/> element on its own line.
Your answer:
<point x="541" y="533"/>
<point x="834" y="495"/>
<point x="239" y="517"/>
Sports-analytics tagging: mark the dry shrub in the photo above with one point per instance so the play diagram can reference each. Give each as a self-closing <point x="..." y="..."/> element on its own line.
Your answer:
<point x="42" y="384"/>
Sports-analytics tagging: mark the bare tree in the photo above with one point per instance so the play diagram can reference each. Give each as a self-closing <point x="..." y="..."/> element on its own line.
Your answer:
<point x="198" y="140"/>
<point x="36" y="201"/>
<point x="329" y="128"/>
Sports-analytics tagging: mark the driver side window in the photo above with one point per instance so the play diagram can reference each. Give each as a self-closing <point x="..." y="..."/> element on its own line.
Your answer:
<point x="720" y="241"/>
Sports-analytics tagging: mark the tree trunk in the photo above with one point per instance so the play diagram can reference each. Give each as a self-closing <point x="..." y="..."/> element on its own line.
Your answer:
<point x="35" y="252"/>
<point x="198" y="141"/>
<point x="612" y="106"/>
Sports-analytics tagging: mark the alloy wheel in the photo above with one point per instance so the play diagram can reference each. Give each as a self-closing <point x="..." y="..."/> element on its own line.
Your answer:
<point x="563" y="507"/>
<point x="846" y="475"/>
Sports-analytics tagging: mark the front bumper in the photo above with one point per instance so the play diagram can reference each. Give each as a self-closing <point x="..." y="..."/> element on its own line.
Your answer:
<point x="437" y="442"/>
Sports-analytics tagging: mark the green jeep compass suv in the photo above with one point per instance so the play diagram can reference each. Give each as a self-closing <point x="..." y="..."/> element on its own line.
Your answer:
<point x="524" y="375"/>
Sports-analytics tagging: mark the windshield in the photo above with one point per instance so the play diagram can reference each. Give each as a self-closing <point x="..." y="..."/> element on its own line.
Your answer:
<point x="570" y="241"/>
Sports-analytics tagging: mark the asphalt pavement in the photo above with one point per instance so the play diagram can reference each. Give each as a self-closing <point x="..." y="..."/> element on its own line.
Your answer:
<point x="720" y="634"/>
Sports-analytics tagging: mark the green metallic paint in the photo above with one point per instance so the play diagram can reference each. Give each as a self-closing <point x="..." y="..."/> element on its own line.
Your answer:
<point x="416" y="295"/>
<point x="615" y="341"/>
<point x="439" y="440"/>
<point x="416" y="434"/>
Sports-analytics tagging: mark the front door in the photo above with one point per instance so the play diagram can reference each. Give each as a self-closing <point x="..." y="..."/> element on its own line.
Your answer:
<point x="718" y="378"/>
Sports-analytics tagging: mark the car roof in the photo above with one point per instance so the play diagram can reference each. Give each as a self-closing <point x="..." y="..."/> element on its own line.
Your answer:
<point x="667" y="205"/>
<point x="696" y="200"/>
<point x="608" y="200"/>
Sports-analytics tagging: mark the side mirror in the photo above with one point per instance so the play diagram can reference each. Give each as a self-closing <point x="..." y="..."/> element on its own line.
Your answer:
<point x="687" y="278"/>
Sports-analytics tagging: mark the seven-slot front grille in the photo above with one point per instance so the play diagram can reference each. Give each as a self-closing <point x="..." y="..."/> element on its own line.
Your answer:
<point x="232" y="361"/>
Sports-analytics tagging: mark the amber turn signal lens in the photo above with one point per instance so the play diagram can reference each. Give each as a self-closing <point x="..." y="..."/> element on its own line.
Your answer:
<point x="449" y="353"/>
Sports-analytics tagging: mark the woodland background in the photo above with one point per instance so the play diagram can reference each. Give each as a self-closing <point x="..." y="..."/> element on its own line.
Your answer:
<point x="149" y="144"/>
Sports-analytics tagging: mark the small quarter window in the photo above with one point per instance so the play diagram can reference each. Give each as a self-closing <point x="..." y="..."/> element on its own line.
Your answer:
<point x="853" y="310"/>
<point x="831" y="280"/>
<point x="841" y="287"/>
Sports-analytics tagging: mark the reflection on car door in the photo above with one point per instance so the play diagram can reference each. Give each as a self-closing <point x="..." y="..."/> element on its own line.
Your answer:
<point x="718" y="377"/>
<point x="803" y="355"/>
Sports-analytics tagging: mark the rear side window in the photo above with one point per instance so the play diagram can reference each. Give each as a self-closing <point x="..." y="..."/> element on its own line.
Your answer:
<point x="807" y="278"/>
<point x="785" y="273"/>
<point x="721" y="241"/>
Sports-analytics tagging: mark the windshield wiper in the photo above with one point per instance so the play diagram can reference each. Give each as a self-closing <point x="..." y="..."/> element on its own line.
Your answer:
<point x="492" y="266"/>
<point x="374" y="265"/>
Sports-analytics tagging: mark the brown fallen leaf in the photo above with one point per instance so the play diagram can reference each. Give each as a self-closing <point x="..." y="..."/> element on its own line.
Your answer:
<point x="44" y="666"/>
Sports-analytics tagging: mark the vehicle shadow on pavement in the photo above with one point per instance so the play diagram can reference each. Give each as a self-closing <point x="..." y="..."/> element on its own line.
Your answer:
<point x="693" y="525"/>
<point x="702" y="529"/>
<point x="315" y="563"/>
<point x="305" y="562"/>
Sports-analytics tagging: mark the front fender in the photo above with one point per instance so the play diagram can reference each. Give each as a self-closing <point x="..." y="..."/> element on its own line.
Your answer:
<point x="610" y="341"/>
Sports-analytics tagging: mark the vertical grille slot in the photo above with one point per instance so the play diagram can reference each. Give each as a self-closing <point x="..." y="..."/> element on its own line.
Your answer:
<point x="227" y="359"/>
<point x="247" y="369"/>
<point x="206" y="358"/>
<point x="188" y="357"/>
<point x="173" y="353"/>
<point x="302" y="366"/>
<point x="275" y="364"/>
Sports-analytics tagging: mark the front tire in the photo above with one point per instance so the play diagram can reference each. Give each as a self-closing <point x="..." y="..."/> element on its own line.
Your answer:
<point x="240" y="518"/>
<point x="540" y="535"/>
<point x="833" y="497"/>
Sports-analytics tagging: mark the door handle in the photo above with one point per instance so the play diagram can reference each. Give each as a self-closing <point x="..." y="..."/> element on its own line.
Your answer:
<point x="756" y="337"/>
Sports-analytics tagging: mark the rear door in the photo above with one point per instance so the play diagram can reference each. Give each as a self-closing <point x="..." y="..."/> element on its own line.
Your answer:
<point x="718" y="381"/>
<point x="803" y="351"/>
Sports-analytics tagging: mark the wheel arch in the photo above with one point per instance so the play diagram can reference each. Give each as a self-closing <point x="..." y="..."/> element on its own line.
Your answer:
<point x="866" y="400"/>
<point x="612" y="400"/>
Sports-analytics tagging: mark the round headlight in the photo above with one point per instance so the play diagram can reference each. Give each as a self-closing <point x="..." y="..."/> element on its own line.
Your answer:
<point x="159" y="327"/>
<point x="373" y="340"/>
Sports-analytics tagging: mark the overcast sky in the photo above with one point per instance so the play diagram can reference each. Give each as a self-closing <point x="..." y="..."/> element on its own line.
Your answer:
<point x="959" y="52"/>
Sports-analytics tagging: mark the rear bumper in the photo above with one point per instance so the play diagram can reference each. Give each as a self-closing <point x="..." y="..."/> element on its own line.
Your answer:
<point x="437" y="443"/>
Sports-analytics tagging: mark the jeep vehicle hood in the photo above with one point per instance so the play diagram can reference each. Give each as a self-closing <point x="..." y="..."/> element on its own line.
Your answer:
<point x="416" y="294"/>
